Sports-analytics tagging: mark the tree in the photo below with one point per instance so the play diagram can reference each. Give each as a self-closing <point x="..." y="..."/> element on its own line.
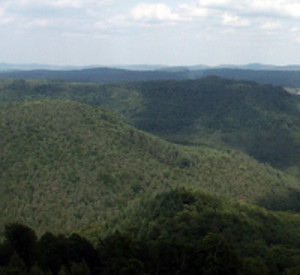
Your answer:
<point x="80" y="268"/>
<point x="23" y="241"/>
<point x="219" y="257"/>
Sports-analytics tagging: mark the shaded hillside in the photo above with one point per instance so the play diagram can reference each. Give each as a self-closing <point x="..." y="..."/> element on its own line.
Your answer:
<point x="66" y="164"/>
<point x="262" y="120"/>
<point x="286" y="78"/>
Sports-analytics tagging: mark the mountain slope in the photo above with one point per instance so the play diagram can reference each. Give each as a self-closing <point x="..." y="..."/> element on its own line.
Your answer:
<point x="261" y="120"/>
<point x="65" y="164"/>
<point x="182" y="221"/>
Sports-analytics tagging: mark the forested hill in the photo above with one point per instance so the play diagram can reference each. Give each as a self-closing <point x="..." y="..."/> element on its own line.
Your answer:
<point x="193" y="233"/>
<point x="288" y="78"/>
<point x="262" y="120"/>
<point x="281" y="77"/>
<point x="65" y="164"/>
<point x="103" y="75"/>
<point x="175" y="232"/>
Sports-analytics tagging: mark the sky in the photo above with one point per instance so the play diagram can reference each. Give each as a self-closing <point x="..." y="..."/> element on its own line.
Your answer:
<point x="170" y="32"/>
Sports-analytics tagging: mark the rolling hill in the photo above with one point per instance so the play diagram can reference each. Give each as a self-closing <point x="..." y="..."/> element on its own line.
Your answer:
<point x="65" y="164"/>
<point x="193" y="232"/>
<point x="179" y="231"/>
<point x="261" y="120"/>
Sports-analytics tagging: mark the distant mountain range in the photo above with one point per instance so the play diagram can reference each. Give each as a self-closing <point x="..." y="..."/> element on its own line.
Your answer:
<point x="286" y="76"/>
<point x="146" y="67"/>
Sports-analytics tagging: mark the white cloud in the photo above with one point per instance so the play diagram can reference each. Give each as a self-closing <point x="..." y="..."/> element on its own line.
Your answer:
<point x="123" y="24"/>
<point x="191" y="11"/>
<point x="6" y="20"/>
<point x="156" y="12"/>
<point x="293" y="9"/>
<point x="38" y="23"/>
<point x="66" y="3"/>
<point x="271" y="8"/>
<point x="271" y="26"/>
<point x="99" y="25"/>
<point x="234" y="21"/>
<point x="212" y="3"/>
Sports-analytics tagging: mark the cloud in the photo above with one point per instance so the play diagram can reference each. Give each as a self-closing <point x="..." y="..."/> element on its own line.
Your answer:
<point x="274" y="8"/>
<point x="234" y="21"/>
<point x="293" y="9"/>
<point x="4" y="18"/>
<point x="271" y="26"/>
<point x="153" y="12"/>
<point x="192" y="11"/>
<point x="214" y="3"/>
<point x="66" y="3"/>
<point x="38" y="23"/>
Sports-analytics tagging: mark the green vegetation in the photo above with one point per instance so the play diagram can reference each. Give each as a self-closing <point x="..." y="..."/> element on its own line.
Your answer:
<point x="173" y="232"/>
<point x="261" y="120"/>
<point x="190" y="205"/>
<point x="65" y="164"/>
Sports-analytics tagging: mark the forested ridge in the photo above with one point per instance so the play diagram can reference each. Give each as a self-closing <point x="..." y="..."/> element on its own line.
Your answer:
<point x="174" y="232"/>
<point x="66" y="164"/>
<point x="118" y="200"/>
<point x="283" y="76"/>
<point x="261" y="120"/>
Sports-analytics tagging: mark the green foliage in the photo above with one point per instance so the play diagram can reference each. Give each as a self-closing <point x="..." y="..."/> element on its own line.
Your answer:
<point x="253" y="266"/>
<point x="261" y="120"/>
<point x="66" y="165"/>
<point x="74" y="164"/>
<point x="36" y="270"/>
<point x="63" y="271"/>
<point x="16" y="265"/>
<point x="226" y="237"/>
<point x="220" y="258"/>
<point x="201" y="234"/>
<point x="22" y="239"/>
<point x="80" y="268"/>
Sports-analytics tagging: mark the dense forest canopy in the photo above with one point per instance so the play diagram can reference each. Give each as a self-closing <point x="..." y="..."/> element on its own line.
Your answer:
<point x="185" y="198"/>
<point x="261" y="120"/>
<point x="174" y="232"/>
<point x="66" y="164"/>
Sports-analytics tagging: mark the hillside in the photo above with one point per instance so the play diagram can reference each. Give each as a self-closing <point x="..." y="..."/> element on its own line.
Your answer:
<point x="173" y="232"/>
<point x="261" y="120"/>
<point x="194" y="231"/>
<point x="65" y="164"/>
<point x="277" y="76"/>
<point x="102" y="75"/>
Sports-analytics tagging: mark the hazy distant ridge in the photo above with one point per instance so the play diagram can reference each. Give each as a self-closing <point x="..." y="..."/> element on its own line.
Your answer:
<point x="288" y="76"/>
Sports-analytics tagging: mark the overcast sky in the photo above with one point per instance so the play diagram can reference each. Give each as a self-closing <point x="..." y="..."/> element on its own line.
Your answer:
<point x="170" y="32"/>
